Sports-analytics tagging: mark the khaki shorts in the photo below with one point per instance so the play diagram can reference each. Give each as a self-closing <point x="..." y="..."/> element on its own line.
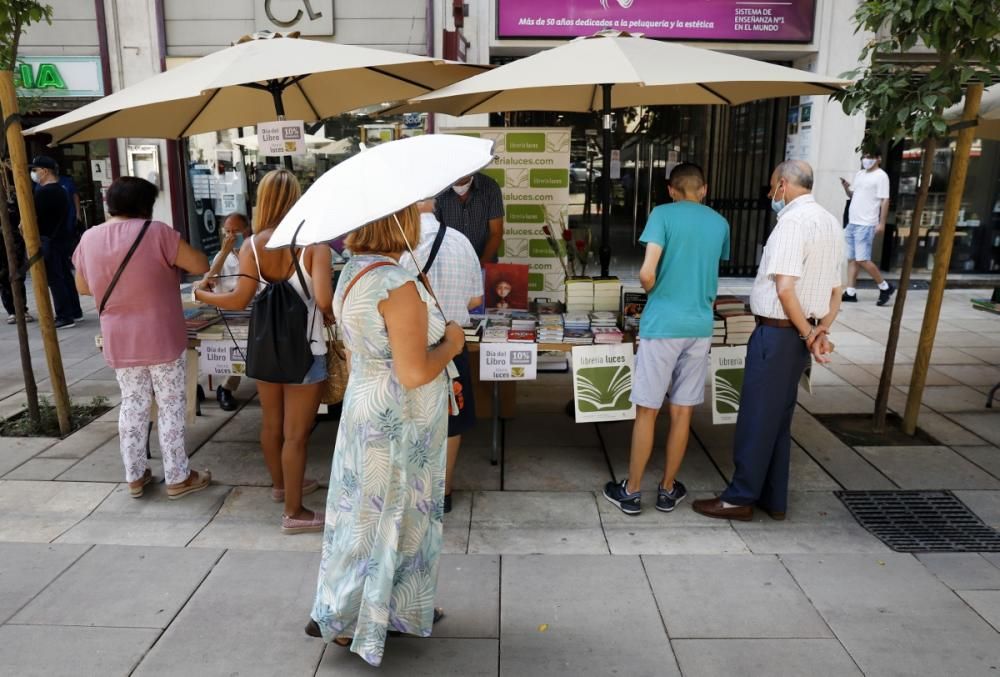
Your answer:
<point x="673" y="368"/>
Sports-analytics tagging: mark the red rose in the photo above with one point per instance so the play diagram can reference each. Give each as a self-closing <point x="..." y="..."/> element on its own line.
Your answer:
<point x="567" y="235"/>
<point x="546" y="230"/>
<point x="581" y="246"/>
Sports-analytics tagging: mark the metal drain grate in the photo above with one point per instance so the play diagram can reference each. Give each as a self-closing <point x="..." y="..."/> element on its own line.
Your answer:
<point x="921" y="521"/>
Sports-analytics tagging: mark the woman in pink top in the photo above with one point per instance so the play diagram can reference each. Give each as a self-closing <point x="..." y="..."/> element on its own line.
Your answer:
<point x="142" y="325"/>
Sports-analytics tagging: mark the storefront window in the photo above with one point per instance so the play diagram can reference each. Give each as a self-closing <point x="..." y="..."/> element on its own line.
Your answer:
<point x="977" y="234"/>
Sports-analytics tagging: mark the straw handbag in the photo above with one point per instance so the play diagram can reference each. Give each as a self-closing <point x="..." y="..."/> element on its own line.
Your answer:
<point x="336" y="371"/>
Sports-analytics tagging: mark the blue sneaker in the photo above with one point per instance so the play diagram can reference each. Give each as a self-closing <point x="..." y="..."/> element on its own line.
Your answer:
<point x="666" y="501"/>
<point x="617" y="493"/>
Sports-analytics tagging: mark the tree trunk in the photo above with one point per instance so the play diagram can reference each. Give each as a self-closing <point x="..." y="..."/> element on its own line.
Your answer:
<point x="942" y="258"/>
<point x="32" y="242"/>
<point x="885" y="382"/>
<point x="20" y="308"/>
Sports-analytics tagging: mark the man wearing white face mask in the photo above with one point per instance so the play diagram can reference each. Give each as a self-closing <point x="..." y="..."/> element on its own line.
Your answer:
<point x="226" y="266"/>
<point x="795" y="300"/>
<point x="474" y="207"/>
<point x="869" y="193"/>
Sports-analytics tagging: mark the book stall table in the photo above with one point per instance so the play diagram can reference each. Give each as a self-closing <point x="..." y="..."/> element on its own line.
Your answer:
<point x="502" y="395"/>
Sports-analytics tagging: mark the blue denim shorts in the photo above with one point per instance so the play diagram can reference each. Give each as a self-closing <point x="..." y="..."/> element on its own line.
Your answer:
<point x="317" y="372"/>
<point x="859" y="242"/>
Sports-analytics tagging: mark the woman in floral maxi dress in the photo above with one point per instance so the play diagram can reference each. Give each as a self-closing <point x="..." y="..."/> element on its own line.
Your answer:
<point x="384" y="508"/>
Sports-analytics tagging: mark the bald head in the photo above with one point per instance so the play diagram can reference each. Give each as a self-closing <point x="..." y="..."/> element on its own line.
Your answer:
<point x="236" y="221"/>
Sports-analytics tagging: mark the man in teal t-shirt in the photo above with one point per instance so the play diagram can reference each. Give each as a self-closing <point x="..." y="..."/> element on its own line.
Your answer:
<point x="685" y="241"/>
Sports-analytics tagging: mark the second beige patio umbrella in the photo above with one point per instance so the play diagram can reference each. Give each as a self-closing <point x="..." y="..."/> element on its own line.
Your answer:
<point x="617" y="70"/>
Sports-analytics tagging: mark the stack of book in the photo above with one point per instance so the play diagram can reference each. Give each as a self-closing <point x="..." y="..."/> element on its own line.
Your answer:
<point x="521" y="335"/>
<point x="550" y="328"/>
<point x="522" y="320"/>
<point x="604" y="335"/>
<point x="578" y="337"/>
<point x="473" y="329"/>
<point x="603" y="319"/>
<point x="547" y="307"/>
<point x="632" y="305"/>
<point x="497" y="328"/>
<point x="576" y="321"/>
<point x="718" y="331"/>
<point x="738" y="320"/>
<point x="579" y="293"/>
<point x="200" y="318"/>
<point x="607" y="293"/>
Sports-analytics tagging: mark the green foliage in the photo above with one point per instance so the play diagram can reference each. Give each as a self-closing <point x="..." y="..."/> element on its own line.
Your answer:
<point x="905" y="96"/>
<point x="15" y="16"/>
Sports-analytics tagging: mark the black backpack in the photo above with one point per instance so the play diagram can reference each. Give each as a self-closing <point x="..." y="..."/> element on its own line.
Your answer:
<point x="278" y="346"/>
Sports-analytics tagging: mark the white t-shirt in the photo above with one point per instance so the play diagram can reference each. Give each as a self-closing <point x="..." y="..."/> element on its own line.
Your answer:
<point x="230" y="268"/>
<point x="870" y="188"/>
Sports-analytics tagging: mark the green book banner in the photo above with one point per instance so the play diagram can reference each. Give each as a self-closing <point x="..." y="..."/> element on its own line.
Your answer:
<point x="531" y="166"/>
<point x="602" y="382"/>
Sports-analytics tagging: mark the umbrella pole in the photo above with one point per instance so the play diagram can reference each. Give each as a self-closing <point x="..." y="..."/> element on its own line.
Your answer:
<point x="606" y="184"/>
<point x="276" y="88"/>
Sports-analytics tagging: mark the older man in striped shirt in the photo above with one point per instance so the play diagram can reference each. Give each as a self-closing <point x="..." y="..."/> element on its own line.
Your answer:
<point x="474" y="207"/>
<point x="795" y="299"/>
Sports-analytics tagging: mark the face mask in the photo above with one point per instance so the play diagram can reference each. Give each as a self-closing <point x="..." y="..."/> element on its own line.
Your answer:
<point x="462" y="190"/>
<point x="238" y="241"/>
<point x="778" y="205"/>
<point x="34" y="176"/>
<point x="868" y="162"/>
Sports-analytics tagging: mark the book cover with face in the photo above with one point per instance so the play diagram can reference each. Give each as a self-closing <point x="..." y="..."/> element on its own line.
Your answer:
<point x="506" y="286"/>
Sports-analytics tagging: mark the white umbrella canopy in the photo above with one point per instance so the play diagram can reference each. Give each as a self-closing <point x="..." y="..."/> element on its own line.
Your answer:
<point x="989" y="114"/>
<point x="640" y="71"/>
<point x="378" y="182"/>
<point x="236" y="87"/>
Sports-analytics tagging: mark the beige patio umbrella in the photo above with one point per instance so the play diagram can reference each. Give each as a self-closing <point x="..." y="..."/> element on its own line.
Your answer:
<point x="256" y="81"/>
<point x="989" y="114"/>
<point x="612" y="70"/>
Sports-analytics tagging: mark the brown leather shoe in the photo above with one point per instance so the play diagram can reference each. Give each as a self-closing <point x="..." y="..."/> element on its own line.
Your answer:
<point x="776" y="516"/>
<point x="712" y="507"/>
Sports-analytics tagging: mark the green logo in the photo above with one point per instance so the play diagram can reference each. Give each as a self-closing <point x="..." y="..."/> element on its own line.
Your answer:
<point x="525" y="142"/>
<point x="604" y="389"/>
<point x="728" y="384"/>
<point x="536" y="282"/>
<point x="540" y="249"/>
<point x="48" y="77"/>
<point x="520" y="213"/>
<point x="495" y="174"/>
<point x="549" y="178"/>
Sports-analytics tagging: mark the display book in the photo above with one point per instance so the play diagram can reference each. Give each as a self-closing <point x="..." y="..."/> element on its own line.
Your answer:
<point x="633" y="302"/>
<point x="733" y="322"/>
<point x="604" y="327"/>
<point x="579" y="294"/>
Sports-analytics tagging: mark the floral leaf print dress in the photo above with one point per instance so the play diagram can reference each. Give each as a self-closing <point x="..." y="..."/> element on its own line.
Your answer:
<point x="382" y="540"/>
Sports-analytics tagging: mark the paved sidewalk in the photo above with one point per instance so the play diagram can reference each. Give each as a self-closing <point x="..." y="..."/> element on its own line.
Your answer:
<point x="541" y="576"/>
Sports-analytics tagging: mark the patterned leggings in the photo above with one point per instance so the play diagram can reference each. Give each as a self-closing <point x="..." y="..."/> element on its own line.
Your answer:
<point x="138" y="386"/>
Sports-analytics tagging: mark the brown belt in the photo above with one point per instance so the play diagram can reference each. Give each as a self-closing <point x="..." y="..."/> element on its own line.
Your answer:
<point x="781" y="324"/>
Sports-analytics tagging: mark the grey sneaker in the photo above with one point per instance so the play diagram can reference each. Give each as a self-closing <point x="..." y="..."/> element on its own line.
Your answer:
<point x="666" y="501"/>
<point x="617" y="493"/>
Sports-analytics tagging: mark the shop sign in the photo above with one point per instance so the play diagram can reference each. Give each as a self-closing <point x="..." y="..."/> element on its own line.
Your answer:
<point x="56" y="76"/>
<point x="309" y="17"/>
<point x="728" y="364"/>
<point x="222" y="358"/>
<point x="722" y="20"/>
<point x="602" y="382"/>
<point x="531" y="166"/>
<point x="508" y="361"/>
<point x="284" y="137"/>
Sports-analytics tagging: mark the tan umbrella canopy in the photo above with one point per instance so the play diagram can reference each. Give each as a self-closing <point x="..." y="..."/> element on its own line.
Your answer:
<point x="989" y="114"/>
<point x="611" y="69"/>
<point x="639" y="71"/>
<point x="256" y="81"/>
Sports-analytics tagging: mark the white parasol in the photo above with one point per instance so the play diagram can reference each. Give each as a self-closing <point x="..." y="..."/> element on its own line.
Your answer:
<point x="378" y="182"/>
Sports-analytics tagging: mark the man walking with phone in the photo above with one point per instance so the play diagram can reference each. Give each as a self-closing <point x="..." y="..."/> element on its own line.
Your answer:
<point x="869" y="209"/>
